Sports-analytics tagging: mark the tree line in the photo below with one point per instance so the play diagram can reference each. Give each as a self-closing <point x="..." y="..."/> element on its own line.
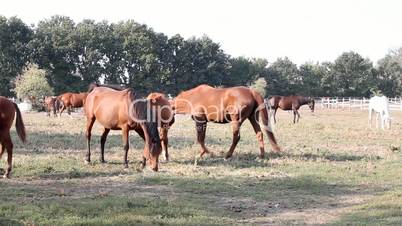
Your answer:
<point x="77" y="54"/>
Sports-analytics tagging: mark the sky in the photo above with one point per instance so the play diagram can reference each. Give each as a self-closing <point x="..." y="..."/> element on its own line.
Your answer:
<point x="303" y="30"/>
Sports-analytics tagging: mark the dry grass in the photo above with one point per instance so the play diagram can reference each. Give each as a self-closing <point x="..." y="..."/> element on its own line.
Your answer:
<point x="334" y="170"/>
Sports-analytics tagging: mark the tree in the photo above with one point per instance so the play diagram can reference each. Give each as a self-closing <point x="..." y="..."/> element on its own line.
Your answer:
<point x="243" y="71"/>
<point x="283" y="77"/>
<point x="14" y="51"/>
<point x="32" y="84"/>
<point x="389" y="74"/>
<point x="352" y="75"/>
<point x="312" y="75"/>
<point x="54" y="50"/>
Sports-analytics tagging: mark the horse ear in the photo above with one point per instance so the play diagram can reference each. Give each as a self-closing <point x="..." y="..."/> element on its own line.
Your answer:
<point x="155" y="97"/>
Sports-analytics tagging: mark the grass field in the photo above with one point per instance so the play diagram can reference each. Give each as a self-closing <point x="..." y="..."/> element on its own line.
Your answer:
<point x="334" y="170"/>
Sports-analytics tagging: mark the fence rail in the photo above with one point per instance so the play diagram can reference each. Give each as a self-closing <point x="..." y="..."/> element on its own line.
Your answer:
<point x="395" y="104"/>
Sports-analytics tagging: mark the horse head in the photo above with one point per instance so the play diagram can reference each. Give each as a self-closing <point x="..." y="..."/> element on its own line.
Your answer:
<point x="142" y="113"/>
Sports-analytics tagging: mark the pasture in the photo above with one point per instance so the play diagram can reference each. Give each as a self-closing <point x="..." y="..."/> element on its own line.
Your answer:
<point x="333" y="170"/>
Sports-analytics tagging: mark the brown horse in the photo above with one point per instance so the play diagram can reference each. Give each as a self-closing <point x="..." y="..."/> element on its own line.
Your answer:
<point x="165" y="117"/>
<point x="224" y="105"/>
<point x="293" y="103"/>
<point x="8" y="110"/>
<point x="120" y="110"/>
<point x="72" y="100"/>
<point x="51" y="103"/>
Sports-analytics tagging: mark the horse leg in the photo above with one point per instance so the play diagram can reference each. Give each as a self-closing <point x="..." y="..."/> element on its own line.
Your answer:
<point x="259" y="134"/>
<point x="294" y="116"/>
<point x="141" y="133"/>
<point x="236" y="136"/>
<point x="165" y="141"/>
<point x="125" y="133"/>
<point x="376" y="120"/>
<point x="370" y="121"/>
<point x="275" y="114"/>
<point x="8" y="145"/>
<point x="90" y="123"/>
<point x="63" y="107"/>
<point x="103" y="141"/>
<point x="3" y="148"/>
<point x="298" y="115"/>
<point x="201" y="128"/>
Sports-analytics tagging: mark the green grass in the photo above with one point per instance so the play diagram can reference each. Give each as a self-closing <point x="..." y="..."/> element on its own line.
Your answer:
<point x="333" y="171"/>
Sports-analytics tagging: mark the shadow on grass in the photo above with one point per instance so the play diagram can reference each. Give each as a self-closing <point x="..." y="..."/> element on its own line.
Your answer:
<point x="252" y="197"/>
<point x="249" y="160"/>
<point x="41" y="143"/>
<point x="335" y="157"/>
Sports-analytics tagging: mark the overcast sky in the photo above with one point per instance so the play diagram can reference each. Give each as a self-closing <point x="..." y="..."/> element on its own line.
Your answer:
<point x="303" y="30"/>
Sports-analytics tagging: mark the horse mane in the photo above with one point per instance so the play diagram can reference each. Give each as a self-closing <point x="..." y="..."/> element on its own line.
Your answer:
<point x="145" y="115"/>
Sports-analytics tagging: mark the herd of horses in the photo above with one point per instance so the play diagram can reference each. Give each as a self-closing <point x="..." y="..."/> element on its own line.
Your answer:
<point x="117" y="108"/>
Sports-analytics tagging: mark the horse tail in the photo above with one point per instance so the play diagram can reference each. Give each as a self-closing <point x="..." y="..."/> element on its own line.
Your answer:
<point x="19" y="124"/>
<point x="264" y="119"/>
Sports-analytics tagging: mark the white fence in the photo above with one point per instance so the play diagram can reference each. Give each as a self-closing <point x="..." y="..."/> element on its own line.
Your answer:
<point x="395" y="104"/>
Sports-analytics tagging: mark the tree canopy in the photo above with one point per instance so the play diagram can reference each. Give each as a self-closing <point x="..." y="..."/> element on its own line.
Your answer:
<point x="77" y="54"/>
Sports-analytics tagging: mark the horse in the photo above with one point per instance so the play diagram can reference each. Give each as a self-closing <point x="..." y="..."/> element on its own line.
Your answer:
<point x="226" y="105"/>
<point x="121" y="110"/>
<point x="287" y="103"/>
<point x="51" y="103"/>
<point x="72" y="100"/>
<point x="8" y="110"/>
<point x="165" y="118"/>
<point x="381" y="106"/>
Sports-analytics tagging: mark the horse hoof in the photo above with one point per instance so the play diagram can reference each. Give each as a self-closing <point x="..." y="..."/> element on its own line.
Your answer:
<point x="5" y="176"/>
<point x="87" y="162"/>
<point x="103" y="161"/>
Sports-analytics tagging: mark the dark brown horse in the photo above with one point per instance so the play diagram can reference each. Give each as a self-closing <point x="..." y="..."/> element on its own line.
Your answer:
<point x="165" y="118"/>
<point x="120" y="110"/>
<point x="226" y="105"/>
<point x="52" y="104"/>
<point x="8" y="110"/>
<point x="72" y="100"/>
<point x="288" y="103"/>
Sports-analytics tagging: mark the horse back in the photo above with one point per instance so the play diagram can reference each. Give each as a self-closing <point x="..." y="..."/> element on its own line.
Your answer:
<point x="109" y="107"/>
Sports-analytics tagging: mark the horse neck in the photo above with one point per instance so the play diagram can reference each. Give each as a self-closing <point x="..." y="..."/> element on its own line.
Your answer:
<point x="304" y="100"/>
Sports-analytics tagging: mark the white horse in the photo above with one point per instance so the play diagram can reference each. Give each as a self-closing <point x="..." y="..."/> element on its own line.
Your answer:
<point x="381" y="107"/>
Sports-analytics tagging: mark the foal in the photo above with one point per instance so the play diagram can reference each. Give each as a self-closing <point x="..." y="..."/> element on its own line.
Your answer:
<point x="8" y="110"/>
<point x="293" y="103"/>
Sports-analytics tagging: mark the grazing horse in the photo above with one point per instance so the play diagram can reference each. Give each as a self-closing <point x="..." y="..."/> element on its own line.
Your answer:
<point x="51" y="103"/>
<point x="165" y="117"/>
<point x="381" y="106"/>
<point x="120" y="110"/>
<point x="72" y="100"/>
<point x="293" y="103"/>
<point x="8" y="110"/>
<point x="226" y="105"/>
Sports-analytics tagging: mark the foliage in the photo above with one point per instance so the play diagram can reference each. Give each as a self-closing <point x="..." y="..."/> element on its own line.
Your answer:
<point x="260" y="86"/>
<point x="14" y="51"/>
<point x="133" y="54"/>
<point x="32" y="84"/>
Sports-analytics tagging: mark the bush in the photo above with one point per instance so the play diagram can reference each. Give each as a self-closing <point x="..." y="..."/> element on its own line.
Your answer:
<point x="260" y="85"/>
<point x="32" y="84"/>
